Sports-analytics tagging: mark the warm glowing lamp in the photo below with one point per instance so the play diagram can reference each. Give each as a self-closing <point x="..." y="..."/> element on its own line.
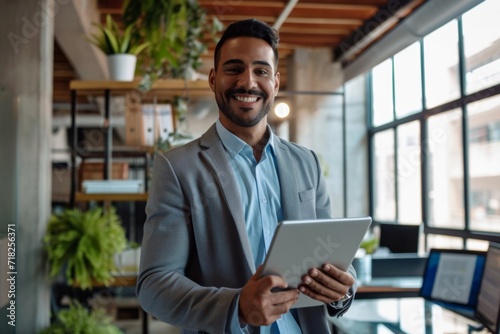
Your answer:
<point x="282" y="110"/>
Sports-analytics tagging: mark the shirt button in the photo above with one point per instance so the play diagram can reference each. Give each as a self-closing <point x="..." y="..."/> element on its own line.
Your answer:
<point x="264" y="200"/>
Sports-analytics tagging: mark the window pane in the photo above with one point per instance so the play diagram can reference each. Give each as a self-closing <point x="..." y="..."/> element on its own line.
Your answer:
<point x="444" y="147"/>
<point x="408" y="81"/>
<point x="484" y="164"/>
<point x="474" y="244"/>
<point x="409" y="185"/>
<point x="385" y="208"/>
<point x="383" y="110"/>
<point x="481" y="29"/>
<point x="443" y="241"/>
<point x="441" y="65"/>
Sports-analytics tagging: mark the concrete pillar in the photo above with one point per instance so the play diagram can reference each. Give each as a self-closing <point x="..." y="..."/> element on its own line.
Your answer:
<point x="316" y="119"/>
<point x="357" y="148"/>
<point x="26" y="60"/>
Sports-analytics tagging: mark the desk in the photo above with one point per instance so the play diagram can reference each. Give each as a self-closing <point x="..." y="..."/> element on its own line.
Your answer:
<point x="401" y="315"/>
<point x="395" y="287"/>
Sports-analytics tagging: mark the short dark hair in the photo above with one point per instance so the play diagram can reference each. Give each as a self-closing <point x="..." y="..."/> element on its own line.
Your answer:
<point x="249" y="28"/>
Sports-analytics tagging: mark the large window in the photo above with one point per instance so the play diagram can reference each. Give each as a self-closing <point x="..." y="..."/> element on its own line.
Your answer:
<point x="435" y="132"/>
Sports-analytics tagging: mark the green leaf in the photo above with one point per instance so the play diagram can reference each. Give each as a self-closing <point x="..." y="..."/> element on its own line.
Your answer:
<point x="139" y="48"/>
<point x="111" y="41"/>
<point x="125" y="43"/>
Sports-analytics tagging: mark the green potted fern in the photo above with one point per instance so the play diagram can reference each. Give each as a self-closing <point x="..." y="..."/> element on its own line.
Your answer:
<point x="79" y="320"/>
<point x="120" y="51"/>
<point x="83" y="245"/>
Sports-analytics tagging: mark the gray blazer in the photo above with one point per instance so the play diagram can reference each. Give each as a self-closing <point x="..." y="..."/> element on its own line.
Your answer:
<point x="196" y="255"/>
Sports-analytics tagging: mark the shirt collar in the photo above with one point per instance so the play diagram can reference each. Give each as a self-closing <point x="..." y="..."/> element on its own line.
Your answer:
<point x="234" y="145"/>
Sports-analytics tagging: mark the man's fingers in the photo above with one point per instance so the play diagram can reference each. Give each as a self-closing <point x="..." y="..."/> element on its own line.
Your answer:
<point x="285" y="297"/>
<point x="257" y="275"/>
<point x="339" y="275"/>
<point x="326" y="284"/>
<point x="314" y="295"/>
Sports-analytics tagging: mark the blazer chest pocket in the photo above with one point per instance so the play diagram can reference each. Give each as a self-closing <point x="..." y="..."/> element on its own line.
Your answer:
<point x="307" y="204"/>
<point x="307" y="195"/>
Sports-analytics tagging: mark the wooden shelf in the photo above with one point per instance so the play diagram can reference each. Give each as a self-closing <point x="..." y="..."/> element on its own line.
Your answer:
<point x="373" y="292"/>
<point x="116" y="281"/>
<point x="119" y="152"/>
<point x="161" y="88"/>
<point x="386" y="289"/>
<point x="82" y="197"/>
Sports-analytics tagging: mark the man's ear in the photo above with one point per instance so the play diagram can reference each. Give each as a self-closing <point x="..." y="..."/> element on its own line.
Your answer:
<point x="211" y="79"/>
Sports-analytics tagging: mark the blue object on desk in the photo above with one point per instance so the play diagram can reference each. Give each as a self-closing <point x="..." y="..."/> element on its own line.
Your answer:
<point x="453" y="277"/>
<point x="400" y="315"/>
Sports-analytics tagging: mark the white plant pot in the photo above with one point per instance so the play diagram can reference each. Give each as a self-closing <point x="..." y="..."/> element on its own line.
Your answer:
<point x="121" y="67"/>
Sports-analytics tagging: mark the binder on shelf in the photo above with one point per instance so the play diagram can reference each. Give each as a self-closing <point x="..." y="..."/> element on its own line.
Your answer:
<point x="164" y="119"/>
<point x="149" y="124"/>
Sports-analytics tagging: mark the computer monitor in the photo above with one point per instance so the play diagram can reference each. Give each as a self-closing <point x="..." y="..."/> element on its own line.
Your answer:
<point x="488" y="303"/>
<point x="452" y="277"/>
<point x="399" y="238"/>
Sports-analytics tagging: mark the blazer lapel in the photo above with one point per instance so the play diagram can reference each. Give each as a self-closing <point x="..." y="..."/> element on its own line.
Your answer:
<point x="215" y="155"/>
<point x="289" y="191"/>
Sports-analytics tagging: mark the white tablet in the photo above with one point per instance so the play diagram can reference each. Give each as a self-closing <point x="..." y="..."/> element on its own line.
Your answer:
<point x="300" y="245"/>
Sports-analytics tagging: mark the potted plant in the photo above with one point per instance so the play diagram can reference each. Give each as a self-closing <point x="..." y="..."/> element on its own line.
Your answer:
<point x="79" y="320"/>
<point x="84" y="244"/>
<point x="177" y="32"/>
<point x="119" y="48"/>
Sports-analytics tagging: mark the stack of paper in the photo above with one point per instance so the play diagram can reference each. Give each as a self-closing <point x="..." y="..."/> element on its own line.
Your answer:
<point x="112" y="186"/>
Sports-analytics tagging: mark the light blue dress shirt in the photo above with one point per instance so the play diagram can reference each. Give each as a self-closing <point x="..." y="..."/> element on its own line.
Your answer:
<point x="259" y="187"/>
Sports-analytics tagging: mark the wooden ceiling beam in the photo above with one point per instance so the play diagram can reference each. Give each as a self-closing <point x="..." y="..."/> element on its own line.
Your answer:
<point x="299" y="20"/>
<point x="314" y="31"/>
<point x="217" y="4"/>
<point x="283" y="49"/>
<point x="377" y="3"/>
<point x="256" y="8"/>
<point x="336" y="6"/>
<point x="307" y="41"/>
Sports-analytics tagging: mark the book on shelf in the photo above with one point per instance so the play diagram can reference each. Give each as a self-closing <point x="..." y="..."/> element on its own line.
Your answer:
<point x="113" y="186"/>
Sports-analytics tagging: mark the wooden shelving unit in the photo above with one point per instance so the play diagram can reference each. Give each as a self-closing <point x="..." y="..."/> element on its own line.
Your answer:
<point x="161" y="89"/>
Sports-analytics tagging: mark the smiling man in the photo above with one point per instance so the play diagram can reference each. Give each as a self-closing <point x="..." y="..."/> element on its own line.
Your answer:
<point x="215" y="202"/>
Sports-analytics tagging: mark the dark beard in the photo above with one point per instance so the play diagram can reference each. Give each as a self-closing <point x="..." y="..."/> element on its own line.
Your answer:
<point x="223" y="104"/>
